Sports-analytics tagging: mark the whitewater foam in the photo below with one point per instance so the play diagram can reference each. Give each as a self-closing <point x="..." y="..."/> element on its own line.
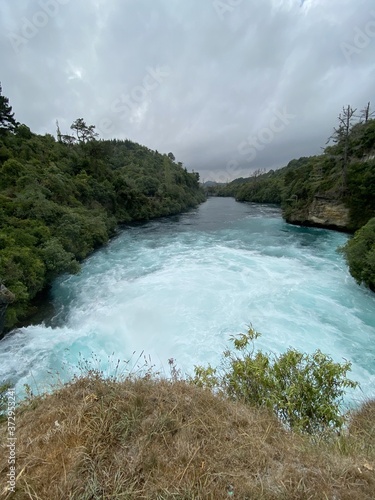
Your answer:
<point x="179" y="287"/>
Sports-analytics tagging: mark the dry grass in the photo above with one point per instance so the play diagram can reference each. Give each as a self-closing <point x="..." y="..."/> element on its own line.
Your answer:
<point x="148" y="438"/>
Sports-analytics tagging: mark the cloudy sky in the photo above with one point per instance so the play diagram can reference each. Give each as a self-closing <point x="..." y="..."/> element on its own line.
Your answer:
<point x="229" y="86"/>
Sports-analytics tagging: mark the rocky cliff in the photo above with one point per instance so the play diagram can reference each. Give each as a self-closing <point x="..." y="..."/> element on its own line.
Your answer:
<point x="322" y="212"/>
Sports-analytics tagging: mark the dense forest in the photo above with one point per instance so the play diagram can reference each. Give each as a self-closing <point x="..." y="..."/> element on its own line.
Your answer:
<point x="343" y="175"/>
<point x="62" y="198"/>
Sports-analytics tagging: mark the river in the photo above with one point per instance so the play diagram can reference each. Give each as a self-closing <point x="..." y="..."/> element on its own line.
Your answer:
<point x="178" y="287"/>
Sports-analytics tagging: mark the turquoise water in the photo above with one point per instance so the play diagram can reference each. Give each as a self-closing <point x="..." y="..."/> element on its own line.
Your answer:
<point x="179" y="287"/>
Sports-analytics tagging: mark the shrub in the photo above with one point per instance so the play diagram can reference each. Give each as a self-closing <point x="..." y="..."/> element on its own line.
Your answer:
<point x="304" y="390"/>
<point x="360" y="255"/>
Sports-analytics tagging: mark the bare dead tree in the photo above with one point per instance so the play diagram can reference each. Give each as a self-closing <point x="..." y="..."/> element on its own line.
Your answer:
<point x="341" y="135"/>
<point x="366" y="114"/>
<point x="58" y="131"/>
<point x="257" y="173"/>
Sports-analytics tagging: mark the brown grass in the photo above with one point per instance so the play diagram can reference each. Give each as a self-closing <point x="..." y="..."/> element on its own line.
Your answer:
<point x="156" y="439"/>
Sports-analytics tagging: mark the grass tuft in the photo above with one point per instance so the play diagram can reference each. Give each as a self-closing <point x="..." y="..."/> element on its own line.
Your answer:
<point x="147" y="437"/>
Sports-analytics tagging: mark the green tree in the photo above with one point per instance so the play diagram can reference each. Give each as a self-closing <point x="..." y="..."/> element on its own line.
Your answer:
<point x="10" y="172"/>
<point x="7" y="120"/>
<point x="57" y="260"/>
<point x="83" y="132"/>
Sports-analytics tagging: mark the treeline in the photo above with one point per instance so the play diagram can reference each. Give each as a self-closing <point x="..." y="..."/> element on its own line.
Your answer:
<point x="295" y="186"/>
<point x="345" y="173"/>
<point x="61" y="199"/>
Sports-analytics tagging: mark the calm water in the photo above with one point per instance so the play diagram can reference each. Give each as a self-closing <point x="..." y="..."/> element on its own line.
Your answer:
<point x="179" y="287"/>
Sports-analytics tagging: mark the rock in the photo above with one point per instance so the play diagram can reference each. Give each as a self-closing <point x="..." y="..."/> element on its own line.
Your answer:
<point x="329" y="213"/>
<point x="322" y="212"/>
<point x="6" y="296"/>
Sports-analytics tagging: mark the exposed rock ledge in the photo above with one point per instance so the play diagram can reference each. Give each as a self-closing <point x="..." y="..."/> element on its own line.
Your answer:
<point x="323" y="212"/>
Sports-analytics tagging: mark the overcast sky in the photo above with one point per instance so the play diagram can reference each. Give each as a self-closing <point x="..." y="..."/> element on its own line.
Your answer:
<point x="229" y="86"/>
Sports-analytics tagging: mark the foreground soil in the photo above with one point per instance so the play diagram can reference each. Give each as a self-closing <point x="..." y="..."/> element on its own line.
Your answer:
<point x="147" y="438"/>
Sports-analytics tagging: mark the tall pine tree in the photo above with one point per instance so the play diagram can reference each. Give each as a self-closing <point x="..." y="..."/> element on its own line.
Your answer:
<point x="7" y="121"/>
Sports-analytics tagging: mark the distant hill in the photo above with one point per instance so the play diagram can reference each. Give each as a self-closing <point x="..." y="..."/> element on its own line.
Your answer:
<point x="212" y="183"/>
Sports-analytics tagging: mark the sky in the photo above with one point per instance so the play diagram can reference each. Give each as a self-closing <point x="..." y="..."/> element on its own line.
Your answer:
<point x="228" y="86"/>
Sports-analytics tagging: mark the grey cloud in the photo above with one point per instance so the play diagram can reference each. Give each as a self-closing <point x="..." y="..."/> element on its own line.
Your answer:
<point x="225" y="73"/>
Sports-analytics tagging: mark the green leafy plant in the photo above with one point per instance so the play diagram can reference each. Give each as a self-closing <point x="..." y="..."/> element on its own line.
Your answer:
<point x="304" y="390"/>
<point x="360" y="254"/>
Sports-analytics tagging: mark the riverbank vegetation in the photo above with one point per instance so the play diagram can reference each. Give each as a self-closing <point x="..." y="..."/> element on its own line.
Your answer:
<point x="343" y="176"/>
<point x="152" y="436"/>
<point x="350" y="181"/>
<point x="360" y="255"/>
<point x="62" y="198"/>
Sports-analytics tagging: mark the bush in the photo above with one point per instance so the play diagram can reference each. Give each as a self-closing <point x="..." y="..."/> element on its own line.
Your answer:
<point x="305" y="391"/>
<point x="360" y="255"/>
<point x="57" y="260"/>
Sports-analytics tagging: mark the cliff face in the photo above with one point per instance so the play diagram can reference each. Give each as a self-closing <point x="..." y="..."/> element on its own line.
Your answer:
<point x="322" y="212"/>
<point x="329" y="213"/>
